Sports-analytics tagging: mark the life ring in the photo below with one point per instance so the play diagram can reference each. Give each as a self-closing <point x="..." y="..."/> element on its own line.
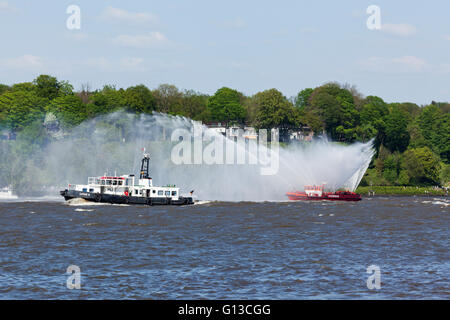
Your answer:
<point x="98" y="198"/>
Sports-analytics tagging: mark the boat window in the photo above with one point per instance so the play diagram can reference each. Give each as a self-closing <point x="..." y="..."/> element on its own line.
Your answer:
<point x="167" y="193"/>
<point x="160" y="193"/>
<point x="103" y="182"/>
<point x="154" y="191"/>
<point x="135" y="191"/>
<point x="84" y="189"/>
<point x="91" y="190"/>
<point x="174" y="193"/>
<point x="120" y="182"/>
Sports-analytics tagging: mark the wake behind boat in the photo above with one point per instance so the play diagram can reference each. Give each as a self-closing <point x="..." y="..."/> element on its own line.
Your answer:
<point x="123" y="190"/>
<point x="318" y="193"/>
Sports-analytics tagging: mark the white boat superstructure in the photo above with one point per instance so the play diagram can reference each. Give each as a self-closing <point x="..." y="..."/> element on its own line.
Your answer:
<point x="125" y="186"/>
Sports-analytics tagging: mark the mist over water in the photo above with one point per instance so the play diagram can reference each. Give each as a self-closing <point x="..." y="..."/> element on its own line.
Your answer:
<point x="112" y="144"/>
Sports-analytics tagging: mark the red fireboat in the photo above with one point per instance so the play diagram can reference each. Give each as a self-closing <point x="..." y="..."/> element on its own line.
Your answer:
<point x="318" y="193"/>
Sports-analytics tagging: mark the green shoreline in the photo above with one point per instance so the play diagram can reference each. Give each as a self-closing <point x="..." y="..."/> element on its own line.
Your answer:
<point x="400" y="190"/>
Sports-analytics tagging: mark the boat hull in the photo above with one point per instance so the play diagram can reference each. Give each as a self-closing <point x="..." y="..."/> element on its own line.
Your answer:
<point x="301" y="196"/>
<point x="118" y="199"/>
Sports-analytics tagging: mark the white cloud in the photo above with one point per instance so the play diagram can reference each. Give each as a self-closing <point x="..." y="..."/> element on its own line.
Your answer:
<point x="309" y="30"/>
<point x="131" y="62"/>
<point x="239" y="65"/>
<point x="127" y="64"/>
<point x="98" y="63"/>
<point x="115" y="14"/>
<point x="141" y="41"/>
<point x="405" y="64"/>
<point x="401" y="29"/>
<point x="444" y="68"/>
<point x="77" y="36"/>
<point x="5" y="6"/>
<point x="237" y="23"/>
<point x="25" y="62"/>
<point x="411" y="63"/>
<point x="358" y="13"/>
<point x="447" y="37"/>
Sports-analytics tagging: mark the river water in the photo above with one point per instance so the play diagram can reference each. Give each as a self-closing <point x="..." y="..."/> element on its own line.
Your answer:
<point x="226" y="250"/>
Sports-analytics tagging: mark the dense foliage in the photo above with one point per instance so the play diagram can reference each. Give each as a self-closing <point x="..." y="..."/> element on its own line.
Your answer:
<point x="412" y="142"/>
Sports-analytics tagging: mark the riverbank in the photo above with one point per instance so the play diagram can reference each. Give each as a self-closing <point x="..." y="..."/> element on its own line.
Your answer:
<point x="400" y="190"/>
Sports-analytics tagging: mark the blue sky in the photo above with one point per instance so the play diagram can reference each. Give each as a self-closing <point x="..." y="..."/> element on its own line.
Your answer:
<point x="248" y="45"/>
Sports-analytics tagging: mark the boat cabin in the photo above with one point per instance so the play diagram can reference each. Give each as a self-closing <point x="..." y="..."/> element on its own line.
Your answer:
<point x="125" y="186"/>
<point x="314" y="191"/>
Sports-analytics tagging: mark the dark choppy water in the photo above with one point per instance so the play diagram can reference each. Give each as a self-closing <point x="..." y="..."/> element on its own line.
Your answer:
<point x="216" y="250"/>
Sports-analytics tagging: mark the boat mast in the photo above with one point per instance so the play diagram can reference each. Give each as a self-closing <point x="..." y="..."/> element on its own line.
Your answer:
<point x="145" y="166"/>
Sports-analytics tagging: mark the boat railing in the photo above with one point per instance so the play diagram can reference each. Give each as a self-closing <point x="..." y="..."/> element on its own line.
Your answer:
<point x="94" y="180"/>
<point x="111" y="181"/>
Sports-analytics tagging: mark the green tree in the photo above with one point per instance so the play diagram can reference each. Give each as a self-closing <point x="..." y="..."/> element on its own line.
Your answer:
<point x="4" y="88"/>
<point x="302" y="98"/>
<point x="251" y="110"/>
<point x="373" y="109"/>
<point x="140" y="99"/>
<point x="225" y="106"/>
<point x="65" y="88"/>
<point x="442" y="139"/>
<point x="397" y="135"/>
<point x="403" y="178"/>
<point x="192" y="105"/>
<point x="422" y="165"/>
<point x="417" y="139"/>
<point x="32" y="138"/>
<point x="427" y="121"/>
<point x="445" y="174"/>
<point x="434" y="125"/>
<point x="335" y="107"/>
<point x="313" y="120"/>
<point x="47" y="86"/>
<point x="274" y="111"/>
<point x="391" y="168"/>
<point x="106" y="100"/>
<point x="411" y="110"/>
<point x="168" y="98"/>
<point x="23" y="86"/>
<point x="20" y="108"/>
<point x="69" y="109"/>
<point x="383" y="154"/>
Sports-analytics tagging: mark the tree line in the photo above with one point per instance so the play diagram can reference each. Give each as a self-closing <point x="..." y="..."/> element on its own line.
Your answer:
<point x="412" y="142"/>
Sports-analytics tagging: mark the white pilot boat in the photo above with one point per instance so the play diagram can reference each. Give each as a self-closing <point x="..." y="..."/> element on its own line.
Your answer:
<point x="123" y="189"/>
